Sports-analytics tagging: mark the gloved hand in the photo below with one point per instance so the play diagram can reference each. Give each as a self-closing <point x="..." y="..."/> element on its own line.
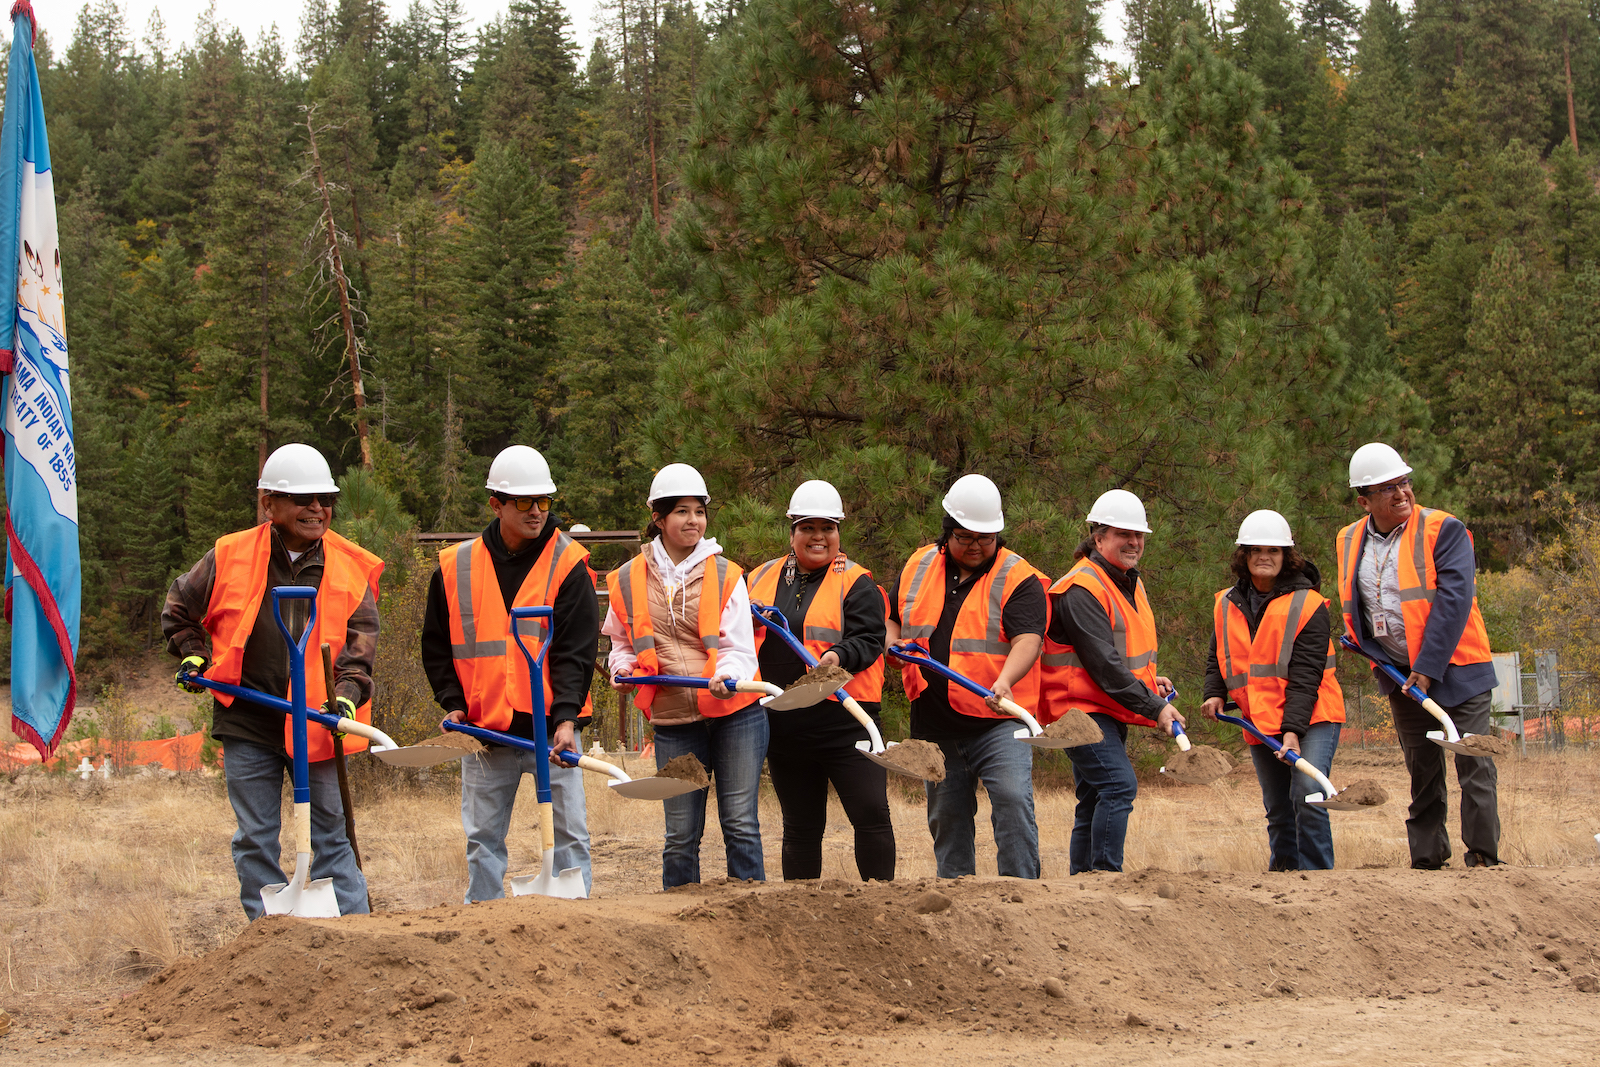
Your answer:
<point x="343" y="707"/>
<point x="190" y="665"/>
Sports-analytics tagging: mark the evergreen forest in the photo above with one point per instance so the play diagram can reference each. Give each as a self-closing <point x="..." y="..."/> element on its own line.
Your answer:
<point x="885" y="244"/>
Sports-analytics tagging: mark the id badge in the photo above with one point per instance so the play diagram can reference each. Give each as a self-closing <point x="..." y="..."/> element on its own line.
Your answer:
<point x="1380" y="627"/>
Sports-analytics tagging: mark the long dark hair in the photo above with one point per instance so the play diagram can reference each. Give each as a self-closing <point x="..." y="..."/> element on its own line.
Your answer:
<point x="950" y="526"/>
<point x="1293" y="563"/>
<point x="1086" y="546"/>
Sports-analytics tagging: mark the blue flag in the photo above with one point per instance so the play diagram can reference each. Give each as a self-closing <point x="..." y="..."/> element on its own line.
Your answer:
<point x="44" y="581"/>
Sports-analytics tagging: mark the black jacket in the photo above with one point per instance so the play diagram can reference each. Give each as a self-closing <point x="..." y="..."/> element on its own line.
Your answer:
<point x="1077" y="618"/>
<point x="1308" y="659"/>
<point x="574" y="643"/>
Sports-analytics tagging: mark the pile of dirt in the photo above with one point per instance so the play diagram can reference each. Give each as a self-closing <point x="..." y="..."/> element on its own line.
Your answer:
<point x="1485" y="745"/>
<point x="1076" y="729"/>
<point x="1366" y="792"/>
<point x="1201" y="765"/>
<point x="828" y="676"/>
<point x="469" y="745"/>
<point x="752" y="973"/>
<point x="919" y="759"/>
<point x="686" y="768"/>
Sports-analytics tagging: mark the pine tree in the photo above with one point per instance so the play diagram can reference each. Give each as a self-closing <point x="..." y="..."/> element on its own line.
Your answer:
<point x="1514" y="57"/>
<point x="1579" y="342"/>
<point x="1574" y="209"/>
<point x="1331" y="26"/>
<point x="1150" y="29"/>
<point x="1381" y="128"/>
<point x="1264" y="41"/>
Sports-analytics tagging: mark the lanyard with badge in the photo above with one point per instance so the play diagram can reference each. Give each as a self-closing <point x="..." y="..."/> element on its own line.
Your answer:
<point x="1380" y="625"/>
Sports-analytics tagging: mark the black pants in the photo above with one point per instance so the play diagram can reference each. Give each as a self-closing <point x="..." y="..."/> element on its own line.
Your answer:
<point x="810" y="748"/>
<point x="1430" y="800"/>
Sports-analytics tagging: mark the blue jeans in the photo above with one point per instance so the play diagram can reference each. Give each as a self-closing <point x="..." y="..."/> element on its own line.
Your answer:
<point x="489" y="782"/>
<point x="1106" y="786"/>
<point x="1005" y="766"/>
<point x="255" y="776"/>
<point x="1300" y="837"/>
<point x="732" y="748"/>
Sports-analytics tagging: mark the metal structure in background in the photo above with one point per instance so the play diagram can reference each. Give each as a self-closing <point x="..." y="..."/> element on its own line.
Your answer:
<point x="630" y="728"/>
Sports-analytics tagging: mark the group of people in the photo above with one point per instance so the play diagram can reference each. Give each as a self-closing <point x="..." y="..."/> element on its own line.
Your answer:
<point x="680" y="607"/>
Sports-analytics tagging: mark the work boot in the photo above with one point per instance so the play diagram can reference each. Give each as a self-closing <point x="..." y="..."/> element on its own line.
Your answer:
<point x="1480" y="859"/>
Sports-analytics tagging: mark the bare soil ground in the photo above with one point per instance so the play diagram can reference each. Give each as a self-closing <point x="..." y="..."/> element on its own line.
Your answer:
<point x="124" y="943"/>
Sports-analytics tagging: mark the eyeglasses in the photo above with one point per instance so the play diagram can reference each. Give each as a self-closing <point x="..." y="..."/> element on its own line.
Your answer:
<point x="526" y="503"/>
<point x="1387" y="490"/>
<point x="305" y="500"/>
<point x="966" y="540"/>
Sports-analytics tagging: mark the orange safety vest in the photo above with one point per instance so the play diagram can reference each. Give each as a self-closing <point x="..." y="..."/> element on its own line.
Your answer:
<point x="1418" y="582"/>
<point x="978" y="647"/>
<point x="487" y="659"/>
<point x="824" y="623"/>
<point x="348" y="573"/>
<point x="1133" y="632"/>
<point x="1256" y="670"/>
<point x="630" y="594"/>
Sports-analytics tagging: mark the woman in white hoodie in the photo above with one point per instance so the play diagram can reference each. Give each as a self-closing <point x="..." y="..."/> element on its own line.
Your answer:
<point x="681" y="607"/>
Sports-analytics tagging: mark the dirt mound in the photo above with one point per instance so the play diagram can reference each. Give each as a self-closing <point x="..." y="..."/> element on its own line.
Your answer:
<point x="828" y="675"/>
<point x="920" y="759"/>
<point x="761" y="972"/>
<point x="449" y="739"/>
<point x="686" y="768"/>
<point x="1485" y="745"/>
<point x="1366" y="792"/>
<point x="1075" y="727"/>
<point x="1201" y="765"/>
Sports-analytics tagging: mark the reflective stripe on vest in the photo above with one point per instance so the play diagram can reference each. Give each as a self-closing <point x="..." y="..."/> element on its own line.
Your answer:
<point x="349" y="572"/>
<point x="978" y="645"/>
<point x="1260" y="681"/>
<point x="827" y="605"/>
<point x="1133" y="634"/>
<point x="492" y="670"/>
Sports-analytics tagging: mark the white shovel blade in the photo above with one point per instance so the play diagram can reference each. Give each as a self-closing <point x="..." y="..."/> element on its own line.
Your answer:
<point x="654" y="788"/>
<point x="800" y="696"/>
<point x="418" y="755"/>
<point x="1316" y="800"/>
<point x="308" y="900"/>
<point x="567" y="885"/>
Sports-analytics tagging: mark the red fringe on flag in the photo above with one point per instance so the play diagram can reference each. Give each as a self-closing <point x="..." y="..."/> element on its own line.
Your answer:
<point x="8" y="358"/>
<point x="23" y="7"/>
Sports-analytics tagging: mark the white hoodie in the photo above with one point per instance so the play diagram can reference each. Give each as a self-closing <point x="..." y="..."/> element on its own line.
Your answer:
<point x="736" y="647"/>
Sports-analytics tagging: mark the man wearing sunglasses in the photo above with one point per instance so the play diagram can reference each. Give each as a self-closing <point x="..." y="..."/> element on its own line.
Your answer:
<point x="1407" y="577"/>
<point x="220" y="612"/>
<point x="478" y="673"/>
<point x="979" y="608"/>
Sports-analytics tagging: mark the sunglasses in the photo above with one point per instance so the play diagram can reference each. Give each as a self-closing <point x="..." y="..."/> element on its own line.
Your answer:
<point x="526" y="503"/>
<point x="304" y="500"/>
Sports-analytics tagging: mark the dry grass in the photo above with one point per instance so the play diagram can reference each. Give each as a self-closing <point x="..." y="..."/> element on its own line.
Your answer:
<point x="102" y="882"/>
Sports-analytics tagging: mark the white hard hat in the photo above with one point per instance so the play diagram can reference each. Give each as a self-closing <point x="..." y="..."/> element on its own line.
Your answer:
<point x="1119" y="508"/>
<point x="1374" y="464"/>
<point x="578" y="527"/>
<point x="297" y="469"/>
<point x="816" y="499"/>
<point x="974" y="502"/>
<point x="1265" y="528"/>
<point x="520" y="471"/>
<point x="678" y="480"/>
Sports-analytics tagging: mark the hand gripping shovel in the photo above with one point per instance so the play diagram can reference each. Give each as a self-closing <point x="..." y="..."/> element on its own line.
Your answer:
<point x="874" y="748"/>
<point x="687" y="681"/>
<point x="309" y="900"/>
<point x="569" y="883"/>
<point x="1328" y="798"/>
<point x="1466" y="744"/>
<point x="1032" y="734"/>
<point x="632" y="788"/>
<point x="382" y="744"/>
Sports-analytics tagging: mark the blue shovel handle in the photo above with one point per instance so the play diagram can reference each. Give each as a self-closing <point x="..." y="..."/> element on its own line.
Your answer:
<point x="1387" y="668"/>
<point x="496" y="737"/>
<point x="265" y="700"/>
<point x="915" y="653"/>
<point x="679" y="681"/>
<point x="774" y="621"/>
<point x="541" y="738"/>
<point x="297" y="681"/>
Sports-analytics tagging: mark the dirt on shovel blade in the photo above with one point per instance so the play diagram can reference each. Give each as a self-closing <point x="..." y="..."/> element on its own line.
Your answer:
<point x="1201" y="765"/>
<point x="449" y="739"/>
<point x="1077" y="728"/>
<point x="829" y="674"/>
<point x="686" y="768"/>
<point x="1485" y="745"/>
<point x="1366" y="792"/>
<point x="920" y="759"/>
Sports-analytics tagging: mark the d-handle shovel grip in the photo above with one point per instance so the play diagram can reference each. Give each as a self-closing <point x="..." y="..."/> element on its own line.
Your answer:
<point x="294" y="592"/>
<point x="1299" y="763"/>
<point x="1429" y="705"/>
<point x="774" y="621"/>
<point x="914" y="653"/>
<point x="1177" y="727"/>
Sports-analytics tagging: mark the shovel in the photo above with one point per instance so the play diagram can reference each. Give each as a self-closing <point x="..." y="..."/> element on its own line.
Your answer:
<point x="874" y="749"/>
<point x="339" y="765"/>
<point x="569" y="883"/>
<point x="308" y="900"/>
<point x="1328" y="798"/>
<point x="382" y="744"/>
<point x="1032" y="733"/>
<point x="687" y="681"/>
<point x="632" y="788"/>
<point x="1446" y="738"/>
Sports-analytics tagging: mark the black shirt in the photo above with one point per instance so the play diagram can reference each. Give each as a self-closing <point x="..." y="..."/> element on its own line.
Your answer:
<point x="1307" y="660"/>
<point x="932" y="717"/>
<point x="575" y="627"/>
<point x="1078" y="619"/>
<point x="862" y="626"/>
